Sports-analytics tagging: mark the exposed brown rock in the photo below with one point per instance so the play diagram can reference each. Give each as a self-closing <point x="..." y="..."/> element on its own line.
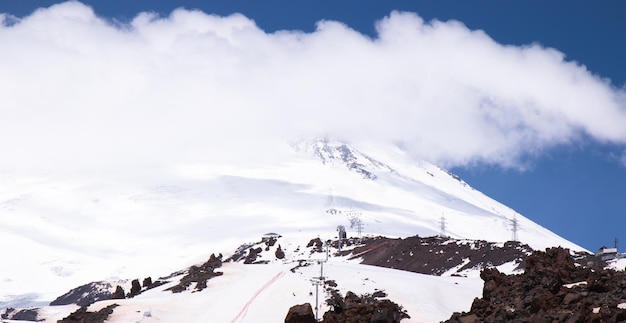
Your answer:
<point x="317" y="244"/>
<point x="253" y="254"/>
<point x="280" y="254"/>
<point x="436" y="255"/>
<point x="83" y="316"/>
<point x="199" y="275"/>
<point x="366" y="308"/>
<point x="540" y="294"/>
<point x="135" y="288"/>
<point x="119" y="293"/>
<point x="302" y="313"/>
<point x="29" y="314"/>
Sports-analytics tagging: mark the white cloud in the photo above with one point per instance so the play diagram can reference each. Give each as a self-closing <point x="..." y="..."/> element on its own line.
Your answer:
<point x="622" y="159"/>
<point x="80" y="90"/>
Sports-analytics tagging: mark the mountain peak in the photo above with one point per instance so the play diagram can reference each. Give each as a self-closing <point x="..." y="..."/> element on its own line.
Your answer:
<point x="335" y="152"/>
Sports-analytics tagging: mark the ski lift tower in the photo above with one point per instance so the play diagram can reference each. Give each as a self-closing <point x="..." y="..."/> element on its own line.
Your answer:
<point x="319" y="281"/>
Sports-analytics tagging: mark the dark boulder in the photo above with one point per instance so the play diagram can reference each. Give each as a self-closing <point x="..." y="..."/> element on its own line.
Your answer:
<point x="119" y="293"/>
<point x="302" y="313"/>
<point x="280" y="254"/>
<point x="135" y="288"/>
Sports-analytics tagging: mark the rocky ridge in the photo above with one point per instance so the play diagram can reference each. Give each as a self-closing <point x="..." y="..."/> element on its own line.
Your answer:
<point x="553" y="288"/>
<point x="426" y="255"/>
<point x="438" y="255"/>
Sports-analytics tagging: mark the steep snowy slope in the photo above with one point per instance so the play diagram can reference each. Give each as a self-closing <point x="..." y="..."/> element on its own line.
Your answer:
<point x="70" y="230"/>
<point x="418" y="195"/>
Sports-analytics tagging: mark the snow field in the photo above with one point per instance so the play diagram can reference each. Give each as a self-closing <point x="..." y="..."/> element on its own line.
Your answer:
<point x="74" y="229"/>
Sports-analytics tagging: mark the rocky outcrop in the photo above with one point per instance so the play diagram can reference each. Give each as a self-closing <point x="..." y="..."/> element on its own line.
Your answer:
<point x="135" y="288"/>
<point x="316" y="244"/>
<point x="436" y="256"/>
<point x="83" y="316"/>
<point x="85" y="295"/>
<point x="366" y="308"/>
<point x="30" y="314"/>
<point x="302" y="313"/>
<point x="553" y="288"/>
<point x="199" y="275"/>
<point x="100" y="291"/>
<point x="270" y="243"/>
<point x="352" y="308"/>
<point x="253" y="254"/>
<point x="280" y="254"/>
<point x="119" y="293"/>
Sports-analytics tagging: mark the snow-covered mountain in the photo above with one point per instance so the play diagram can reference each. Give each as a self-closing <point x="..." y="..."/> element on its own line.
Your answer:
<point x="71" y="230"/>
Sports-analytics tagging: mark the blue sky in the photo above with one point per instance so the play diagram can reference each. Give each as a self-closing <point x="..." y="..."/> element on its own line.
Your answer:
<point x="574" y="187"/>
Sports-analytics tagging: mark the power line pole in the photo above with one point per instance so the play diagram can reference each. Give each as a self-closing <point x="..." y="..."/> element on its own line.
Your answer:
<point x="442" y="226"/>
<point x="356" y="222"/>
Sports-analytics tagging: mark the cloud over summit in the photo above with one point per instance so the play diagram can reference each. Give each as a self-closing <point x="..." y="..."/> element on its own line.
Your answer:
<point x="78" y="88"/>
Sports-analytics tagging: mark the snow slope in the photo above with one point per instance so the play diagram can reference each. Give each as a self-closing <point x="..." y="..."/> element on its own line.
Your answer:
<point x="67" y="230"/>
<point x="264" y="292"/>
<point x="246" y="294"/>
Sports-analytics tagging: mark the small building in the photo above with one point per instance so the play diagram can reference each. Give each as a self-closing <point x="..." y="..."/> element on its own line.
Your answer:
<point x="605" y="253"/>
<point x="269" y="236"/>
<point x="342" y="232"/>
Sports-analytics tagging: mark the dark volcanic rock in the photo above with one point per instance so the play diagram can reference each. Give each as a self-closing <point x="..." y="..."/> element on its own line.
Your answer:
<point x="119" y="293"/>
<point x="85" y="295"/>
<point x="366" y="308"/>
<point x="435" y="255"/>
<point x="31" y="314"/>
<point x="302" y="313"/>
<point x="270" y="243"/>
<point x="317" y="245"/>
<point x="98" y="291"/>
<point x="135" y="288"/>
<point x="553" y="288"/>
<point x="301" y="263"/>
<point x="199" y="275"/>
<point x="241" y="252"/>
<point x="253" y="254"/>
<point x="83" y="316"/>
<point x="280" y="254"/>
